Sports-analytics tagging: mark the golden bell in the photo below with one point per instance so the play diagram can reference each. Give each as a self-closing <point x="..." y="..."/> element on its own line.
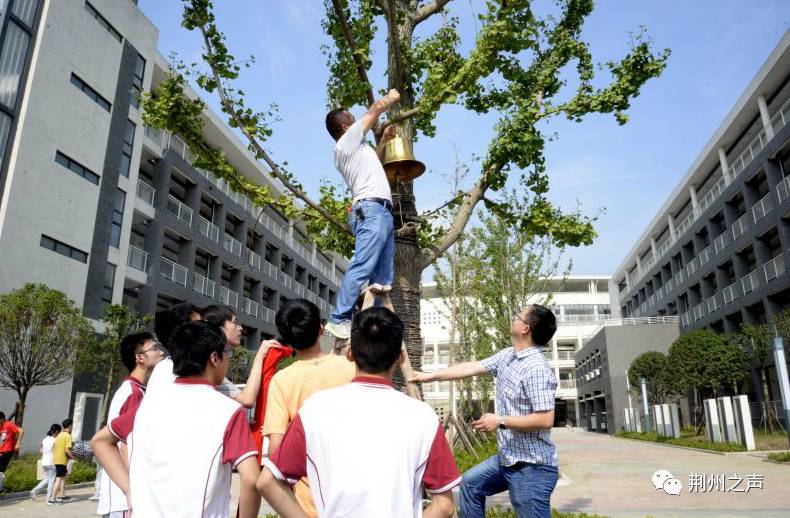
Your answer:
<point x="399" y="162"/>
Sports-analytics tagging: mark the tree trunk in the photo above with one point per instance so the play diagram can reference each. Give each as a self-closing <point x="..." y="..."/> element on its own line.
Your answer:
<point x="408" y="272"/>
<point x="19" y="412"/>
<point x="105" y="404"/>
<point x="767" y="412"/>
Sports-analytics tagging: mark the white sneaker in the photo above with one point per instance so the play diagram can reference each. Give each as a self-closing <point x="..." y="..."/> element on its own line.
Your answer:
<point x="94" y="498"/>
<point x="341" y="330"/>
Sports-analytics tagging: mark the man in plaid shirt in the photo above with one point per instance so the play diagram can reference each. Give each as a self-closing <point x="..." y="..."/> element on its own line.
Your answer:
<point x="526" y="464"/>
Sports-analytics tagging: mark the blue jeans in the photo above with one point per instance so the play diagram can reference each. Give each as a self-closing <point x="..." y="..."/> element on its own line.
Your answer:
<point x="530" y="487"/>
<point x="373" y="254"/>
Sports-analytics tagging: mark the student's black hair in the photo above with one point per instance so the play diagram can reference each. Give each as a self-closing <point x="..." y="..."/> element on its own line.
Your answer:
<point x="54" y="430"/>
<point x="542" y="323"/>
<point x="217" y="314"/>
<point x="193" y="344"/>
<point x="376" y="337"/>
<point x="334" y="122"/>
<point x="2" y="416"/>
<point x="167" y="320"/>
<point x="299" y="323"/>
<point x="129" y="347"/>
<point x="67" y="422"/>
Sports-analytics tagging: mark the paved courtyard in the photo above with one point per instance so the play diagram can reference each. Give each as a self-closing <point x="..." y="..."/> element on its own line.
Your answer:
<point x="600" y="474"/>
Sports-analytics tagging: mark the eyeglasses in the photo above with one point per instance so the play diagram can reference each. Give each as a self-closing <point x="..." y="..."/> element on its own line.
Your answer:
<point x="236" y="322"/>
<point x="518" y="316"/>
<point x="156" y="347"/>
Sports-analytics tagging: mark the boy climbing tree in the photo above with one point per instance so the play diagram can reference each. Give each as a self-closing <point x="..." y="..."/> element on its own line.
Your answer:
<point x="370" y="215"/>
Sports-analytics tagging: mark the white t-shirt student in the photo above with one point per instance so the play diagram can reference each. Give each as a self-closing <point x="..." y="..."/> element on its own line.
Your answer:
<point x="360" y="167"/>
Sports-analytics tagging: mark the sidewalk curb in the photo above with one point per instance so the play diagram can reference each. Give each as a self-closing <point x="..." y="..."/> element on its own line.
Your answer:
<point x="21" y="495"/>
<point x="724" y="453"/>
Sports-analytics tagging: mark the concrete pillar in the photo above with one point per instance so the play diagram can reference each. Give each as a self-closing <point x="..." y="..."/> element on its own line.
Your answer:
<point x="653" y="247"/>
<point x="671" y="225"/>
<point x="154" y="235"/>
<point x="727" y="419"/>
<point x="725" y="167"/>
<point x="674" y="420"/>
<point x="694" y="202"/>
<point x="765" y="116"/>
<point x="658" y="419"/>
<point x="743" y="422"/>
<point x="712" y="426"/>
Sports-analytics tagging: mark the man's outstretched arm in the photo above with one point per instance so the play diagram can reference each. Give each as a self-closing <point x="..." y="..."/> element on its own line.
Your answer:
<point x="459" y="371"/>
<point x="377" y="108"/>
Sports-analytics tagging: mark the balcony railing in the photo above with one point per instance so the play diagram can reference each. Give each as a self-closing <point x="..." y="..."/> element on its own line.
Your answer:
<point x="173" y="271"/>
<point x="253" y="259"/>
<point x="145" y="192"/>
<point x="751" y="281"/>
<point x="704" y="256"/>
<point x="711" y="196"/>
<point x="698" y="312"/>
<point x="721" y="242"/>
<point x="269" y="269"/>
<point x="208" y="229"/>
<point x="685" y="319"/>
<point x="285" y="279"/>
<point x="312" y="297"/>
<point x="273" y="227"/>
<point x="740" y="226"/>
<point x="228" y="297"/>
<point x="203" y="285"/>
<point x="565" y="355"/>
<point x="179" y="210"/>
<point x="762" y="207"/>
<point x="179" y="146"/>
<point x="748" y="154"/>
<point x="232" y="245"/>
<point x="568" y="384"/>
<point x="783" y="190"/>
<point x="137" y="259"/>
<point x="300" y="289"/>
<point x="713" y="303"/>
<point x="249" y="306"/>
<point x="267" y="315"/>
<point x="158" y="137"/>
<point x="731" y="292"/>
<point x="774" y="268"/>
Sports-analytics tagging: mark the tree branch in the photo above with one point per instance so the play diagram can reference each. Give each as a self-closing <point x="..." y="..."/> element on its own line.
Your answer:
<point x="259" y="151"/>
<point x="471" y="198"/>
<point x="363" y="75"/>
<point x="428" y="10"/>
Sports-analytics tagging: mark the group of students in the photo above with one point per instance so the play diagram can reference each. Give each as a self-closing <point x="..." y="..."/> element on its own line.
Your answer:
<point x="55" y="456"/>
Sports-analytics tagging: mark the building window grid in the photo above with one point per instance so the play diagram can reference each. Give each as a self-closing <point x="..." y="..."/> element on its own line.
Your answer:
<point x="109" y="281"/>
<point x="63" y="249"/>
<point x="90" y="92"/>
<point x="103" y="21"/>
<point x="117" y="218"/>
<point x="76" y="168"/>
<point x="126" y="150"/>
<point x="137" y="82"/>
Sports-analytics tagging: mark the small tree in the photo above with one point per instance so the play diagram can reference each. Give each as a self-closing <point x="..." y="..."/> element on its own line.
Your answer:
<point x="41" y="336"/>
<point x="653" y="367"/>
<point x="104" y="356"/>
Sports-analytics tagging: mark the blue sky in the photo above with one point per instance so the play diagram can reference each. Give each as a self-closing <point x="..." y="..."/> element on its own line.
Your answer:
<point x="717" y="47"/>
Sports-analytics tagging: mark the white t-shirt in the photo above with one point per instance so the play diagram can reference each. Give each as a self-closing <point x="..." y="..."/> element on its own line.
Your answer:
<point x="163" y="375"/>
<point x="360" y="167"/>
<point x="46" y="451"/>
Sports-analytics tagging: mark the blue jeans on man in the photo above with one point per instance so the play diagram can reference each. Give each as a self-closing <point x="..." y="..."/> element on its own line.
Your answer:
<point x="372" y="225"/>
<point x="530" y="487"/>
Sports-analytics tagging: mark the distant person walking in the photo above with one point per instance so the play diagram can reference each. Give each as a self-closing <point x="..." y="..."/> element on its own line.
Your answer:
<point x="47" y="445"/>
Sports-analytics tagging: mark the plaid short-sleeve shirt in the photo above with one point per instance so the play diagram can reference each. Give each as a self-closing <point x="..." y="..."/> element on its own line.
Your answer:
<point x="524" y="384"/>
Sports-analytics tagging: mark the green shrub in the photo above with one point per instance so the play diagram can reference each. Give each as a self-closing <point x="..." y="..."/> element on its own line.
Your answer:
<point x="466" y="460"/>
<point x="683" y="441"/>
<point x="783" y="456"/>
<point x="21" y="473"/>
<point x="504" y="512"/>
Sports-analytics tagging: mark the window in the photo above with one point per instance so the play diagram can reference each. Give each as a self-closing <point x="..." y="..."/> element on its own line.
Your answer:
<point x="137" y="82"/>
<point x="25" y="10"/>
<point x="76" y="168"/>
<point x="90" y="92"/>
<point x="109" y="280"/>
<point x="126" y="150"/>
<point x="117" y="218"/>
<point x="12" y="64"/>
<point x="63" y="249"/>
<point x="103" y="21"/>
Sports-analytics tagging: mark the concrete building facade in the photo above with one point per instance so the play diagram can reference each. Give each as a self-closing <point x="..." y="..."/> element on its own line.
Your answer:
<point x="107" y="211"/>
<point x="602" y="364"/>
<point x="581" y="305"/>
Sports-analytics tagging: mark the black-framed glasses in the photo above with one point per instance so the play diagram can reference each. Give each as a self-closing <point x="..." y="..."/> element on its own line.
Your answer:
<point x="156" y="347"/>
<point x="518" y="316"/>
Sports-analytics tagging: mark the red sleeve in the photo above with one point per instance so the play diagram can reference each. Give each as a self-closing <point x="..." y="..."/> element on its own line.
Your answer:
<point x="269" y="369"/>
<point x="121" y="427"/>
<point x="237" y="443"/>
<point x="289" y="461"/>
<point x="441" y="473"/>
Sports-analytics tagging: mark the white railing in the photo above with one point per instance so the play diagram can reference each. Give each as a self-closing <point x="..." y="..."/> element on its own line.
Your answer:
<point x="748" y="154"/>
<point x="273" y="227"/>
<point x="762" y="207"/>
<point x="685" y="319"/>
<point x="208" y="229"/>
<point x="691" y="267"/>
<point x="751" y="281"/>
<point x="173" y="271"/>
<point x="782" y="117"/>
<point x="711" y="196"/>
<point x="268" y="315"/>
<point x="254" y="259"/>
<point x="704" y="256"/>
<point x="158" y="137"/>
<point x="698" y="312"/>
<point x="721" y="242"/>
<point x="231" y="244"/>
<point x="322" y="305"/>
<point x="299" y="288"/>
<point x="137" y="259"/>
<point x="774" y="268"/>
<point x="285" y="279"/>
<point x="269" y="269"/>
<point x="179" y="146"/>
<point x="178" y="209"/>
<point x="565" y="355"/>
<point x="228" y="297"/>
<point x="731" y="292"/>
<point x="740" y="226"/>
<point x="312" y="297"/>
<point x="203" y="285"/>
<point x="249" y="306"/>
<point x="685" y="225"/>
<point x="713" y="303"/>
<point x="145" y="192"/>
<point x="568" y="384"/>
<point x="783" y="189"/>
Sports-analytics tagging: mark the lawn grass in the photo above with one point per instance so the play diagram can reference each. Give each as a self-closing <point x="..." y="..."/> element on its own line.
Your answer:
<point x="21" y="473"/>
<point x="783" y="456"/>
<point x="688" y="441"/>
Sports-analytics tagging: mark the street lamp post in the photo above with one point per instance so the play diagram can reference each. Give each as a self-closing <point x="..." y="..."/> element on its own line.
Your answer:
<point x="646" y="416"/>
